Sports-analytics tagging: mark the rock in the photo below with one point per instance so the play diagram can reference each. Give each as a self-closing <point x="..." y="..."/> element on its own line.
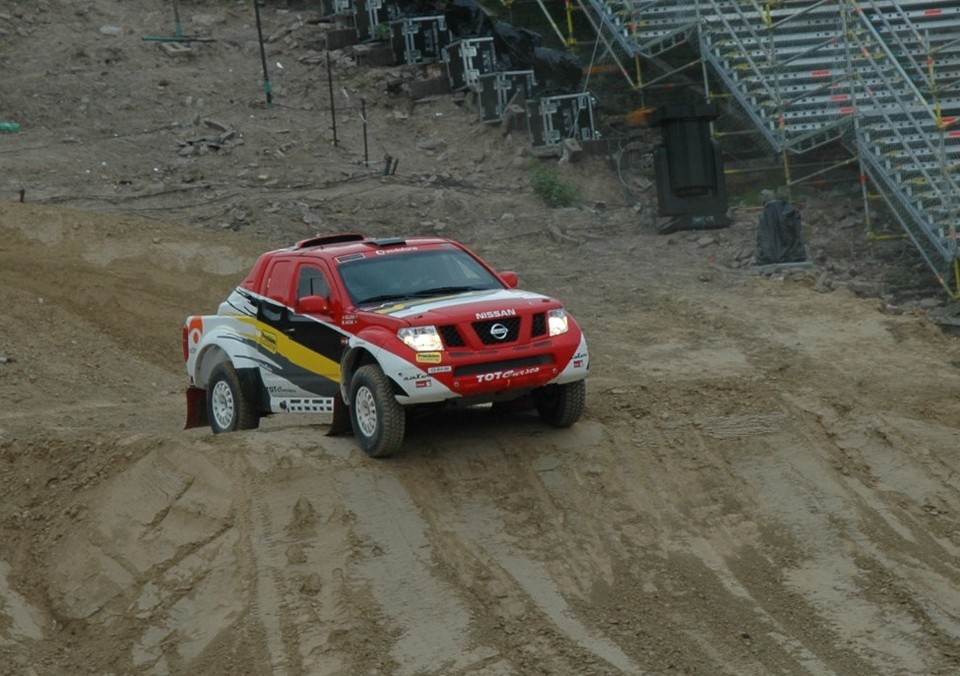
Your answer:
<point x="431" y="144"/>
<point x="311" y="585"/>
<point x="295" y="555"/>
<point x="303" y="514"/>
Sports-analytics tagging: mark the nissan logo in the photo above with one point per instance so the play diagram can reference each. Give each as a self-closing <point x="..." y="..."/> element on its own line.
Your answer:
<point x="499" y="331"/>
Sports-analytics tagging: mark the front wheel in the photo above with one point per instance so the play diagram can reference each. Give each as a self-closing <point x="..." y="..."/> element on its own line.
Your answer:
<point x="378" y="419"/>
<point x="228" y="408"/>
<point x="561" y="405"/>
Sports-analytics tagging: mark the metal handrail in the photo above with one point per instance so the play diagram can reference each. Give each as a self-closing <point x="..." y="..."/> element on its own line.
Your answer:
<point x="766" y="54"/>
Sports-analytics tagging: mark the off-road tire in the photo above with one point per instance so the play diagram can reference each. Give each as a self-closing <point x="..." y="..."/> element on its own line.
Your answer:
<point x="228" y="408"/>
<point x="561" y="405"/>
<point x="378" y="420"/>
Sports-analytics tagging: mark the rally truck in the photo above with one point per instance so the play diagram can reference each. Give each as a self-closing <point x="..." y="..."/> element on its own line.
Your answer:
<point x="367" y="329"/>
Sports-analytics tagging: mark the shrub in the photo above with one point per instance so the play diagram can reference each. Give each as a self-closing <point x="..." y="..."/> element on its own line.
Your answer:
<point x="547" y="183"/>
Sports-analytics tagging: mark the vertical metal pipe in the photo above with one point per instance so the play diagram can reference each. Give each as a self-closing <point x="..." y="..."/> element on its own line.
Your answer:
<point x="333" y="106"/>
<point x="363" y="117"/>
<point x="263" y="56"/>
<point x="178" y="26"/>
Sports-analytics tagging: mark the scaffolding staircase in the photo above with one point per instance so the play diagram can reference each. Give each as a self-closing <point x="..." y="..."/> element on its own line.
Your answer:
<point x="881" y="78"/>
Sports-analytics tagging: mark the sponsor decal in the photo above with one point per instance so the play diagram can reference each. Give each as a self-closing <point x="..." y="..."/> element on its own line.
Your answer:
<point x="349" y="320"/>
<point x="194" y="331"/>
<point x="504" y="375"/>
<point x="577" y="363"/>
<point x="401" y="249"/>
<point x="268" y="340"/>
<point x="423" y="383"/>
<point x="439" y="369"/>
<point x="429" y="357"/>
<point x="497" y="314"/>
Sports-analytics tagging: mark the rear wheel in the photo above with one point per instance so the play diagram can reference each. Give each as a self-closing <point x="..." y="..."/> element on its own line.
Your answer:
<point x="561" y="405"/>
<point x="228" y="408"/>
<point x="378" y="420"/>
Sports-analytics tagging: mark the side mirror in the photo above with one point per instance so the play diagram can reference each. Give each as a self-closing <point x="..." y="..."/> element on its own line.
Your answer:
<point x="313" y="305"/>
<point x="512" y="279"/>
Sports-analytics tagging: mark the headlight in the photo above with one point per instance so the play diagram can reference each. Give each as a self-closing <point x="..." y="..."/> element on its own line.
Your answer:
<point x="557" y="323"/>
<point x="421" y="338"/>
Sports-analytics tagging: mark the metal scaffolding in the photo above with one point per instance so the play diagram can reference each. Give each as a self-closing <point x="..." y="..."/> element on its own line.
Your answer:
<point x="881" y="79"/>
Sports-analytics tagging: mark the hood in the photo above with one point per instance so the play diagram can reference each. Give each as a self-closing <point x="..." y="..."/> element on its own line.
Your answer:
<point x="475" y="305"/>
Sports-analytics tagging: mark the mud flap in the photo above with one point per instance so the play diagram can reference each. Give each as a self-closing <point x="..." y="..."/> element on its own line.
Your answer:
<point x="196" y="408"/>
<point x="341" y="418"/>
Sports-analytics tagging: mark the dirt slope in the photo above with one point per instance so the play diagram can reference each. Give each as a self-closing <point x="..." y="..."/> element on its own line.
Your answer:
<point x="764" y="482"/>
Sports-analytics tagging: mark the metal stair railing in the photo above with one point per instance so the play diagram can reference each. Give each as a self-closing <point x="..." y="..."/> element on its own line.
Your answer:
<point x="807" y="73"/>
<point x="677" y="26"/>
<point x="616" y="25"/>
<point x="905" y="51"/>
<point x="793" y="50"/>
<point x="614" y="37"/>
<point x="929" y="213"/>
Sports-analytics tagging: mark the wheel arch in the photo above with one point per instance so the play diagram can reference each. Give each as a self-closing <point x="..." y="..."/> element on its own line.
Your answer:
<point x="250" y="379"/>
<point x="220" y="345"/>
<point x="208" y="359"/>
<point x="352" y="360"/>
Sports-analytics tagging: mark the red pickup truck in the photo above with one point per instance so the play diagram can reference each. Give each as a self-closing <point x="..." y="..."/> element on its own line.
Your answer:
<point x="363" y="328"/>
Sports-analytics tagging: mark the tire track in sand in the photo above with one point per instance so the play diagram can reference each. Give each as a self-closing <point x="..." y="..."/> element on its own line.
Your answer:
<point x="268" y="600"/>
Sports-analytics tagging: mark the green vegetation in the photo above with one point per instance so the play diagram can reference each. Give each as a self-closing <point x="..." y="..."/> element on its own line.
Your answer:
<point x="556" y="192"/>
<point x="382" y="31"/>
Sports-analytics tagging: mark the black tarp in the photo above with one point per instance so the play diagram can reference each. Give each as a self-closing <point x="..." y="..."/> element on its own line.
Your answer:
<point x="464" y="18"/>
<point x="779" y="238"/>
<point x="557" y="71"/>
<point x="515" y="46"/>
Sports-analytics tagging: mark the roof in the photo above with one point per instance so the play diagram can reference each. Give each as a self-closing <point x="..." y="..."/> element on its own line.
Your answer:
<point x="343" y="244"/>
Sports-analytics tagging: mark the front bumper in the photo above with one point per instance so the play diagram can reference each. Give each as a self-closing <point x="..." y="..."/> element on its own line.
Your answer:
<point x="498" y="375"/>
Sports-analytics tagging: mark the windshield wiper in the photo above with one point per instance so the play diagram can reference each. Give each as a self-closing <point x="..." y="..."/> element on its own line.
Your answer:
<point x="383" y="298"/>
<point x="424" y="293"/>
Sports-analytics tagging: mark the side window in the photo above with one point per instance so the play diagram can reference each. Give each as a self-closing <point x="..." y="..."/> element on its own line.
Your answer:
<point x="278" y="281"/>
<point x="312" y="282"/>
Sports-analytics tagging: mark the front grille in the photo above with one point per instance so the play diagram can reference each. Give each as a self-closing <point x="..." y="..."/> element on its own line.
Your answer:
<point x="485" y="330"/>
<point x="503" y="365"/>
<point x="539" y="327"/>
<point x="451" y="336"/>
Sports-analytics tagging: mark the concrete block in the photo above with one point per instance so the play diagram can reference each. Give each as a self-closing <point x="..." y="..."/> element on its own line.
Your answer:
<point x="377" y="54"/>
<point x="338" y="38"/>
<point x="422" y="89"/>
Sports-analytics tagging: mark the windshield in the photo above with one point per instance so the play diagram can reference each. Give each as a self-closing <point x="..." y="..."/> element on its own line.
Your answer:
<point x="419" y="274"/>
